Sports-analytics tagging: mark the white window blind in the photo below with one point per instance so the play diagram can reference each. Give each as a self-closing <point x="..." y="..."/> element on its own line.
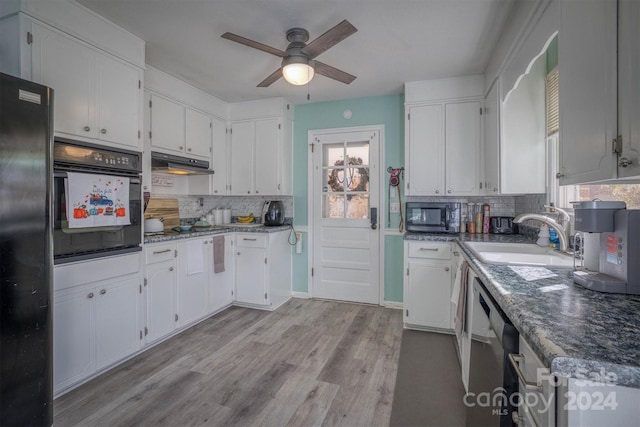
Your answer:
<point x="553" y="116"/>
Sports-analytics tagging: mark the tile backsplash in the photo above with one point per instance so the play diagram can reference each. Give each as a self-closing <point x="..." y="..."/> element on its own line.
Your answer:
<point x="239" y="205"/>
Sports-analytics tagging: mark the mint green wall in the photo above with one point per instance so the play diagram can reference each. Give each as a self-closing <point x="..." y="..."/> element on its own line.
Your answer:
<point x="378" y="110"/>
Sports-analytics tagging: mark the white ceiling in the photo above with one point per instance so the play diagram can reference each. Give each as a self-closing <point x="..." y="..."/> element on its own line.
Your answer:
<point x="397" y="41"/>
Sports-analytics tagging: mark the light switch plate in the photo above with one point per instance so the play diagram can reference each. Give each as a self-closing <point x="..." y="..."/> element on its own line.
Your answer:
<point x="394" y="207"/>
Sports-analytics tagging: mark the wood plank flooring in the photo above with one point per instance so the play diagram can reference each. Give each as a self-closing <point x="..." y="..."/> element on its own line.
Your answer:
<point x="311" y="362"/>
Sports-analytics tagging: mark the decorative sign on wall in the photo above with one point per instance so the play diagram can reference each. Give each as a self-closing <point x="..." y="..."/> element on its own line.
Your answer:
<point x="161" y="180"/>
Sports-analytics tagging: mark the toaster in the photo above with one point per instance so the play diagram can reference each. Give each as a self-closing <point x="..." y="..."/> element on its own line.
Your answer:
<point x="502" y="225"/>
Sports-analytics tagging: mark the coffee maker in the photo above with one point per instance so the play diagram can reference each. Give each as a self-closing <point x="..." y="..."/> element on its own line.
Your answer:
<point x="619" y="251"/>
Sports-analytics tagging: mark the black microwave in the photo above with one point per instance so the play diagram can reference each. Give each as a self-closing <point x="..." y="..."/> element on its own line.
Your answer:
<point x="432" y="217"/>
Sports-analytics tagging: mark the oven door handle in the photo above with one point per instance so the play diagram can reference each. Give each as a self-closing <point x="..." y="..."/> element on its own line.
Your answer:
<point x="132" y="180"/>
<point x="515" y="360"/>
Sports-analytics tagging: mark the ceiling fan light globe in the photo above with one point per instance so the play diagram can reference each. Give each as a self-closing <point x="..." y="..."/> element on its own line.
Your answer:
<point x="298" y="74"/>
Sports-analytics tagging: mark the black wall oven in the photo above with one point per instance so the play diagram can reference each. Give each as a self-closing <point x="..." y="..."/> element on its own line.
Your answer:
<point x="76" y="244"/>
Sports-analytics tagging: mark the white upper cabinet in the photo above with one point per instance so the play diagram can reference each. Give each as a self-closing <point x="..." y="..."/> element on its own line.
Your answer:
<point x="443" y="133"/>
<point x="94" y="67"/>
<point x="443" y="150"/>
<point x="424" y="152"/>
<point x="198" y="133"/>
<point x="219" y="158"/>
<point x="628" y="87"/>
<point x="268" y="157"/>
<point x="261" y="147"/>
<point x="588" y="90"/>
<point x="177" y="129"/>
<point x="462" y="148"/>
<point x="242" y="157"/>
<point x="492" y="141"/>
<point x="256" y="163"/>
<point x="96" y="96"/>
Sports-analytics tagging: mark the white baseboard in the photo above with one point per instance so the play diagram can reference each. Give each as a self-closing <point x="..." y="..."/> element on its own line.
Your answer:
<point x="304" y="295"/>
<point x="393" y="304"/>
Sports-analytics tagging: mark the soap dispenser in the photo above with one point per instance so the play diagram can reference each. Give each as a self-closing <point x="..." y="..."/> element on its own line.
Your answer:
<point x="543" y="235"/>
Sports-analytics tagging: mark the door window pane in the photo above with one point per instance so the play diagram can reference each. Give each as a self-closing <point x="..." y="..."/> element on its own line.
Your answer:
<point x="357" y="206"/>
<point x="345" y="171"/>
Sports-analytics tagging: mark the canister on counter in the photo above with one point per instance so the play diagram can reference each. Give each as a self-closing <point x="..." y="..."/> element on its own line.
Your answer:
<point x="478" y="218"/>
<point x="486" y="220"/>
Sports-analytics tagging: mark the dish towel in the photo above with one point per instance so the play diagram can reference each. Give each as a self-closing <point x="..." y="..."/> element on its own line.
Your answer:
<point x="460" y="320"/>
<point x="96" y="200"/>
<point x="195" y="257"/>
<point x="218" y="254"/>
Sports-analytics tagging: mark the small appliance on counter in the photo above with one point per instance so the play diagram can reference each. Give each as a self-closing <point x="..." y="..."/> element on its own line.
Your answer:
<point x="273" y="213"/>
<point x="502" y="225"/>
<point x="619" y="228"/>
<point x="433" y="217"/>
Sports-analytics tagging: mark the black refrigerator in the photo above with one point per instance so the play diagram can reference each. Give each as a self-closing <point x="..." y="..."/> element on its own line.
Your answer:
<point x="26" y="256"/>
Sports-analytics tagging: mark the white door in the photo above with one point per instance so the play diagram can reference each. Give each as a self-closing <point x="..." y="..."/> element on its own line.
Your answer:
<point x="345" y="191"/>
<point x="161" y="299"/>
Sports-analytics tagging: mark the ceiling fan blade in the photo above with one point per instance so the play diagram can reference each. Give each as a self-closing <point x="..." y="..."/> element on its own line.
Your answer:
<point x="333" y="73"/>
<point x="273" y="77"/>
<point x="331" y="38"/>
<point x="254" y="44"/>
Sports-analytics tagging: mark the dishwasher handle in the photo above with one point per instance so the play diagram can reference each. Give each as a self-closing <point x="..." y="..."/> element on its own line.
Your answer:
<point x="515" y="360"/>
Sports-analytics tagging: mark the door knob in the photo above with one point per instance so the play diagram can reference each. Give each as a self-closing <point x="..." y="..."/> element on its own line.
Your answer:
<point x="87" y="128"/>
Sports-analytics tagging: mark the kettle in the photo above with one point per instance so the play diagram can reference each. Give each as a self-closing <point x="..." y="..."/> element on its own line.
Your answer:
<point x="273" y="212"/>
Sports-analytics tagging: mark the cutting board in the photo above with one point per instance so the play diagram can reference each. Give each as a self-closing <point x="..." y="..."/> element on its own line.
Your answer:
<point x="164" y="208"/>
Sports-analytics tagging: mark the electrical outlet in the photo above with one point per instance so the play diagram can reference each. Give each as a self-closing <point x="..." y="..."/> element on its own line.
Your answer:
<point x="394" y="207"/>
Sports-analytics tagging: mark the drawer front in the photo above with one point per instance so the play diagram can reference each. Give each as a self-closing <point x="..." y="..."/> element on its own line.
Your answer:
<point x="251" y="240"/>
<point x="160" y="252"/>
<point x="429" y="250"/>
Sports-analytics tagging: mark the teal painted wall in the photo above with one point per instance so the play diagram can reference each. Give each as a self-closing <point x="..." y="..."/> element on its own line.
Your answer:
<point x="552" y="55"/>
<point x="379" y="110"/>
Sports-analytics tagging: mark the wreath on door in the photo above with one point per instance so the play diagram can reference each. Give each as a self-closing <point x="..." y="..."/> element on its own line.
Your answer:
<point x="336" y="183"/>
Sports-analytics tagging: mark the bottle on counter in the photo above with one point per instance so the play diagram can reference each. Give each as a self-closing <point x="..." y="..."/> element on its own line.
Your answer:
<point x="486" y="218"/>
<point x="479" y="218"/>
<point x="471" y="225"/>
<point x="554" y="240"/>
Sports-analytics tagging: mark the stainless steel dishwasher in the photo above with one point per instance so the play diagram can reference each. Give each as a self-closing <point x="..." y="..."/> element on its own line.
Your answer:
<point x="493" y="384"/>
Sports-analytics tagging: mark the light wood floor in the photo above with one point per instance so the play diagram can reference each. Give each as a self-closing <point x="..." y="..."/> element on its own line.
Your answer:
<point x="309" y="363"/>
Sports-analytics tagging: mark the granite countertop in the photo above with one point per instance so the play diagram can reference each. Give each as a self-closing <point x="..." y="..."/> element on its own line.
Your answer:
<point x="574" y="331"/>
<point x="175" y="235"/>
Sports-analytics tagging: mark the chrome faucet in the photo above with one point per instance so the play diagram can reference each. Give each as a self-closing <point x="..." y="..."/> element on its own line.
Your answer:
<point x="561" y="228"/>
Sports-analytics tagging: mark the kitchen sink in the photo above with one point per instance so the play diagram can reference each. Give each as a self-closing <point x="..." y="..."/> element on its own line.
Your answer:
<point x="519" y="254"/>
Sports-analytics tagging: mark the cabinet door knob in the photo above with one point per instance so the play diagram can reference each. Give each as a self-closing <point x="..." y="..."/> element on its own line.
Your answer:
<point x="103" y="131"/>
<point x="170" y="268"/>
<point x="90" y="295"/>
<point x="189" y="149"/>
<point x="446" y="269"/>
<point x="257" y="191"/>
<point x="624" y="162"/>
<point x="87" y="128"/>
<point x="180" y="147"/>
<point x="249" y="192"/>
<point x="103" y="291"/>
<point x="437" y="191"/>
<point x="449" y="191"/>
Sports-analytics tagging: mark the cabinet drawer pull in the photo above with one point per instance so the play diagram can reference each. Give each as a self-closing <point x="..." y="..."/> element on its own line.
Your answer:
<point x="103" y="131"/>
<point x="87" y="128"/>
<point x="250" y="240"/>
<point x="103" y="291"/>
<point x="170" y="268"/>
<point x="430" y="249"/>
<point x="90" y="295"/>
<point x="161" y="252"/>
<point x="515" y="359"/>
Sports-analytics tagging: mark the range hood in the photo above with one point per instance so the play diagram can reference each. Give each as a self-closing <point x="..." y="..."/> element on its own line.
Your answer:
<point x="177" y="165"/>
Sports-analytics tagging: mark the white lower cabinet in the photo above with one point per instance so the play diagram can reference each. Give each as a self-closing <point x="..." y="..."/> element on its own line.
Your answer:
<point x="160" y="290"/>
<point x="263" y="269"/>
<point x="194" y="260"/>
<point x="427" y="285"/>
<point x="221" y="284"/>
<point x="95" y="324"/>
